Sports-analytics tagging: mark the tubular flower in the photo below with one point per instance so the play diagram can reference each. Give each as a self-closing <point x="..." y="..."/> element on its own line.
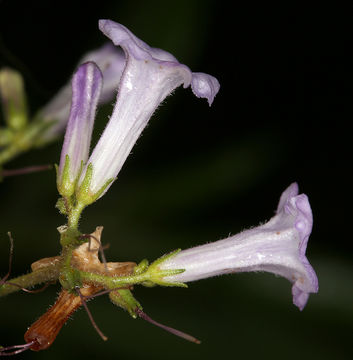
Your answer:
<point x="111" y="61"/>
<point x="86" y="88"/>
<point x="149" y="76"/>
<point x="278" y="247"/>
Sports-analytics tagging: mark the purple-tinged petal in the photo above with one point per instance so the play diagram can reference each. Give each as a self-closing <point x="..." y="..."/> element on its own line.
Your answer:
<point x="205" y="86"/>
<point x="278" y="246"/>
<point x="86" y="88"/>
<point x="111" y="61"/>
<point x="303" y="225"/>
<point x="150" y="75"/>
<point x="138" y="49"/>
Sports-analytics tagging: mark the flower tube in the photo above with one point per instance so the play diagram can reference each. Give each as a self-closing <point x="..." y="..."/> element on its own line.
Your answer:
<point x="86" y="89"/>
<point x="278" y="247"/>
<point x="149" y="76"/>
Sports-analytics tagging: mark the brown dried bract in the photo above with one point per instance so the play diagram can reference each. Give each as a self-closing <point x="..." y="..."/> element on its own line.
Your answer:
<point x="85" y="258"/>
<point x="44" y="331"/>
<point x="42" y="263"/>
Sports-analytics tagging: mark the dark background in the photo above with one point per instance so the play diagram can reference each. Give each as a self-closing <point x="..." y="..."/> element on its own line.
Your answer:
<point x="198" y="174"/>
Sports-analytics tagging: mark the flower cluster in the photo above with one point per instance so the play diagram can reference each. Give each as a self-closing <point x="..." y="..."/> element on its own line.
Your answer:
<point x="143" y="77"/>
<point x="148" y="75"/>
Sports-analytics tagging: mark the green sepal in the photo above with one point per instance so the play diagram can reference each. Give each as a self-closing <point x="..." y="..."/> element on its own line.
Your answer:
<point x="66" y="187"/>
<point x="149" y="284"/>
<point x="156" y="275"/>
<point x="98" y="194"/>
<point x="125" y="299"/>
<point x="61" y="206"/>
<point x="141" y="267"/>
<point x="84" y="194"/>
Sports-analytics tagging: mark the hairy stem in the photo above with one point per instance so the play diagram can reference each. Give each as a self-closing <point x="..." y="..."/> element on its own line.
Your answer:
<point x="39" y="276"/>
<point x="114" y="282"/>
<point x="74" y="216"/>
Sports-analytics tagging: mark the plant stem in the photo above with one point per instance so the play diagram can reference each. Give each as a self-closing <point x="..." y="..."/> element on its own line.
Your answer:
<point x="74" y="216"/>
<point x="42" y="275"/>
<point x="113" y="282"/>
<point x="25" y="170"/>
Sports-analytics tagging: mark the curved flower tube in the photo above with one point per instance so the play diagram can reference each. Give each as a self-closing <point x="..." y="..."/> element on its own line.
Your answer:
<point x="149" y="76"/>
<point x="86" y="89"/>
<point x="111" y="61"/>
<point x="278" y="247"/>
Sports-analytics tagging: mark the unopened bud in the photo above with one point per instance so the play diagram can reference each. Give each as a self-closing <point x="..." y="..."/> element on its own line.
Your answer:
<point x="13" y="98"/>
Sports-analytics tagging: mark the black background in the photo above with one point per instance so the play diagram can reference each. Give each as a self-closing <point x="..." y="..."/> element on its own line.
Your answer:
<point x="198" y="174"/>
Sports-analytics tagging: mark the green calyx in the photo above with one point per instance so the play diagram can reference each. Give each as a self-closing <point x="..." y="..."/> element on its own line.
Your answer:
<point x="75" y="198"/>
<point x="66" y="186"/>
<point x="125" y="299"/>
<point x="61" y="206"/>
<point x="156" y="275"/>
<point x="84" y="193"/>
<point x="141" y="267"/>
<point x="144" y="274"/>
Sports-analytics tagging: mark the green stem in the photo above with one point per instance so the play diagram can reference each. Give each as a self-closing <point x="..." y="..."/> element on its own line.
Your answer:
<point x="113" y="282"/>
<point x="74" y="215"/>
<point x="66" y="258"/>
<point x="69" y="240"/>
<point x="39" y="276"/>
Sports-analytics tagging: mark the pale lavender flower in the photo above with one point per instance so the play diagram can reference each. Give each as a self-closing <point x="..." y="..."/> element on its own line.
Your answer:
<point x="111" y="61"/>
<point x="149" y="76"/>
<point x="86" y="89"/>
<point x="278" y="247"/>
